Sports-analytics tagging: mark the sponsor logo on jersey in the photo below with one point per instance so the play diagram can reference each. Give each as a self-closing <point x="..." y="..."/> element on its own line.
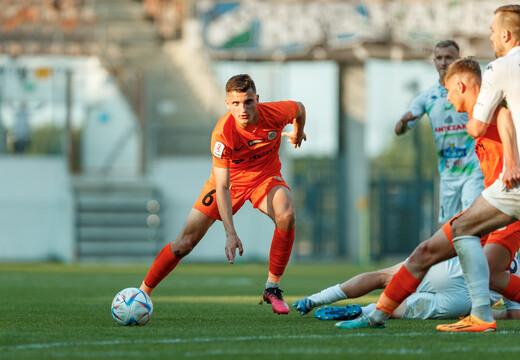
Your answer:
<point x="255" y="141"/>
<point x="489" y="67"/>
<point x="275" y="147"/>
<point x="240" y="147"/>
<point x="271" y="135"/>
<point x="447" y="128"/>
<point x="453" y="152"/>
<point x="218" y="149"/>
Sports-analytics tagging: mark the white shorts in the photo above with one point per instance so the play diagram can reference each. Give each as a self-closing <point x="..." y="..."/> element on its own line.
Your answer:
<point x="442" y="294"/>
<point x="505" y="200"/>
<point x="457" y="194"/>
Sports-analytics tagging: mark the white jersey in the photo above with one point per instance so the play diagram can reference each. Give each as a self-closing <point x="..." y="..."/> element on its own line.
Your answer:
<point x="501" y="82"/>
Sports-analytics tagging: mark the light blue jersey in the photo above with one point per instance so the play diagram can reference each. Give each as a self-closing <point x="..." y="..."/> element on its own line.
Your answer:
<point x="462" y="181"/>
<point x="455" y="148"/>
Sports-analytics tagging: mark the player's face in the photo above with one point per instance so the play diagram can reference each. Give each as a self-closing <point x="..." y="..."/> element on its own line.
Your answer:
<point x="454" y="94"/>
<point x="496" y="39"/>
<point x="242" y="106"/>
<point x="443" y="57"/>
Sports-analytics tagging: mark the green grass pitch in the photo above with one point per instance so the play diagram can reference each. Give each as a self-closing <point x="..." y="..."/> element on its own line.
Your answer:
<point x="206" y="311"/>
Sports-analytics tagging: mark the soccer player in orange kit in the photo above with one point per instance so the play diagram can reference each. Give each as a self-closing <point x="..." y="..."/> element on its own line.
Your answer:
<point x="246" y="166"/>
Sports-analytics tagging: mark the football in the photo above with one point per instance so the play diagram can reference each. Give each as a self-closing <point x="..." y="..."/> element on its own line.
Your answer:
<point x="132" y="306"/>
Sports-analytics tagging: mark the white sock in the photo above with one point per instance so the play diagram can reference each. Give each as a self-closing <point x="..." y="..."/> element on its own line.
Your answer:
<point x="328" y="295"/>
<point x="476" y="273"/>
<point x="377" y="316"/>
<point x="368" y="309"/>
<point x="269" y="284"/>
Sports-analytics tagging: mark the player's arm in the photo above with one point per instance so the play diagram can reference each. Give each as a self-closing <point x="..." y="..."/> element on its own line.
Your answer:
<point x="506" y="130"/>
<point x="417" y="107"/>
<point x="402" y="125"/>
<point x="225" y="209"/>
<point x="297" y="135"/>
<point x="476" y="128"/>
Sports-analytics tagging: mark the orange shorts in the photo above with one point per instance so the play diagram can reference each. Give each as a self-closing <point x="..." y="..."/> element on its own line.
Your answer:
<point x="256" y="193"/>
<point x="508" y="236"/>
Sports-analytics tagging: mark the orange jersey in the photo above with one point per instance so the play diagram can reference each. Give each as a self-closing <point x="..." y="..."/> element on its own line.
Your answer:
<point x="489" y="152"/>
<point x="252" y="152"/>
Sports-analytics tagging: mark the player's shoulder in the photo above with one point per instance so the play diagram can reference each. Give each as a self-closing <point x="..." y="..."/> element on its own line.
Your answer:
<point x="503" y="63"/>
<point x="278" y="105"/>
<point x="277" y="110"/>
<point x="432" y="92"/>
<point x="225" y="125"/>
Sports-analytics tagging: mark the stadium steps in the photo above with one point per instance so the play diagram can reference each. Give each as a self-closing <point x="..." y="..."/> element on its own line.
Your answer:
<point x="117" y="220"/>
<point x="123" y="22"/>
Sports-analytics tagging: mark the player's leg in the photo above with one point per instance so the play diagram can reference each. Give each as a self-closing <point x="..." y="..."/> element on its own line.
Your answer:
<point x="354" y="287"/>
<point x="471" y="189"/>
<point x="500" y="251"/>
<point x="499" y="259"/>
<point x="196" y="226"/>
<point x="480" y="219"/>
<point x="406" y="280"/>
<point x="200" y="218"/>
<point x="449" y="199"/>
<point x="279" y="205"/>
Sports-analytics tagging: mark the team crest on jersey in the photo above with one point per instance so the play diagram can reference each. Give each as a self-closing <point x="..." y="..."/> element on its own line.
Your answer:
<point x="271" y="135"/>
<point x="218" y="149"/>
<point x="254" y="142"/>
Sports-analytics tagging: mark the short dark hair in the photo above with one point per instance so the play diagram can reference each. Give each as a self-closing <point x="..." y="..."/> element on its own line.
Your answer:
<point x="240" y="83"/>
<point x="510" y="19"/>
<point x="464" y="65"/>
<point x="447" y="43"/>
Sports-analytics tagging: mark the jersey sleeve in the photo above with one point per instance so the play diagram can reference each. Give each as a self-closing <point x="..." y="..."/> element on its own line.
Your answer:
<point x="282" y="112"/>
<point x="417" y="108"/>
<point x="221" y="151"/>
<point x="491" y="93"/>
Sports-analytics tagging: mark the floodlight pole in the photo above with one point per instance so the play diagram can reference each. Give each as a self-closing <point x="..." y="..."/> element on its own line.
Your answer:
<point x="68" y="120"/>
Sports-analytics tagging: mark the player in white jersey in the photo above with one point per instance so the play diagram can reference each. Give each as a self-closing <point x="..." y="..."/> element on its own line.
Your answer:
<point x="499" y="205"/>
<point x="442" y="294"/>
<point x="461" y="180"/>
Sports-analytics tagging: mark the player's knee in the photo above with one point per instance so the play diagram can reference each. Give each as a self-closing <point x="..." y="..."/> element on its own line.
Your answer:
<point x="286" y="219"/>
<point x="422" y="257"/>
<point x="182" y="246"/>
<point x="460" y="228"/>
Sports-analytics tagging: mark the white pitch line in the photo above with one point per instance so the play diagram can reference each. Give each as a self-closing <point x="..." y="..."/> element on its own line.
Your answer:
<point x="344" y="334"/>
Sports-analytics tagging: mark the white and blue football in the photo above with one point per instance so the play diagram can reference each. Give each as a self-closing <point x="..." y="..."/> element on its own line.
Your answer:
<point x="132" y="306"/>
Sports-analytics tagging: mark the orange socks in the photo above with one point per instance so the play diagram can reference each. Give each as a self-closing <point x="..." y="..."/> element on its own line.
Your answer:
<point x="163" y="264"/>
<point x="281" y="248"/>
<point x="402" y="285"/>
<point x="512" y="290"/>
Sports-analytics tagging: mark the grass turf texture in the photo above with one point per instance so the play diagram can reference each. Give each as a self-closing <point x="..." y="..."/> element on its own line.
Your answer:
<point x="52" y="311"/>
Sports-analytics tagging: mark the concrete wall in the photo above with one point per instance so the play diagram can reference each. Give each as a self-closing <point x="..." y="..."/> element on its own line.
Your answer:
<point x="36" y="209"/>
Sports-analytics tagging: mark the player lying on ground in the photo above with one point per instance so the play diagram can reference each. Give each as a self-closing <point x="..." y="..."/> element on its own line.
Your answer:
<point x="246" y="166"/>
<point x="504" y="242"/>
<point x="443" y="294"/>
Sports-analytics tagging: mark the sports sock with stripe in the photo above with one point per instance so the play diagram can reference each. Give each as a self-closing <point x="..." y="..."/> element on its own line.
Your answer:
<point x="281" y="248"/>
<point x="402" y="285"/>
<point x="476" y="273"/>
<point x="163" y="264"/>
<point x="512" y="290"/>
<point x="328" y="295"/>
